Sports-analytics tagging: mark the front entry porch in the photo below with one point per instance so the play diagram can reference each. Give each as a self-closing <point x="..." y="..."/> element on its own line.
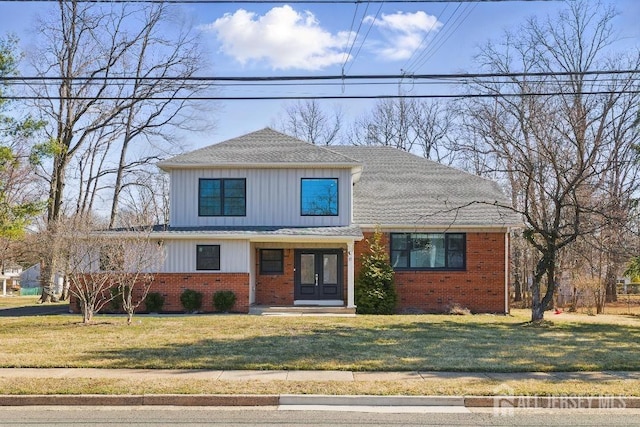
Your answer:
<point x="306" y="277"/>
<point x="264" y="310"/>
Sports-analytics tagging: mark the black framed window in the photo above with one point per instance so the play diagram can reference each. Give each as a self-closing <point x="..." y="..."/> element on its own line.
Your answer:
<point x="319" y="197"/>
<point x="207" y="257"/>
<point x="428" y="251"/>
<point x="222" y="197"/>
<point x="271" y="261"/>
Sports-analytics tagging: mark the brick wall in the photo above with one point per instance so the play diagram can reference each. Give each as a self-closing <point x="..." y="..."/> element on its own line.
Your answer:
<point x="171" y="286"/>
<point x="276" y="289"/>
<point x="480" y="288"/>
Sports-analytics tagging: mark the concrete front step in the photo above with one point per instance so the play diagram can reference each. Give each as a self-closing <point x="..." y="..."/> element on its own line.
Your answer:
<point x="301" y="311"/>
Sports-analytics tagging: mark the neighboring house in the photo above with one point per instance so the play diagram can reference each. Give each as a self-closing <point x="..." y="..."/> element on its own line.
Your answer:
<point x="9" y="275"/>
<point x="283" y="222"/>
<point x="30" y="278"/>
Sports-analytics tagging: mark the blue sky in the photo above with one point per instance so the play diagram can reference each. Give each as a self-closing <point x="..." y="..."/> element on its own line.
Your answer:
<point x="302" y="39"/>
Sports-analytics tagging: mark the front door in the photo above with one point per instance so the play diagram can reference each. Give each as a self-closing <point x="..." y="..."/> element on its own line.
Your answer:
<point x="318" y="274"/>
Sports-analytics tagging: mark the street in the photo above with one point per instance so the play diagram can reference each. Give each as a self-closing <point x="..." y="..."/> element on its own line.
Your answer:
<point x="273" y="416"/>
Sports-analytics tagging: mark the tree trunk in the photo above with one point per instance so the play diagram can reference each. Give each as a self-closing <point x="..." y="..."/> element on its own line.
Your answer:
<point x="611" y="286"/>
<point x="518" y="289"/>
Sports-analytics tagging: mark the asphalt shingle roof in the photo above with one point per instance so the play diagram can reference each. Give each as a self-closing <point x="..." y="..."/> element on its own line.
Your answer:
<point x="395" y="187"/>
<point x="265" y="147"/>
<point x="399" y="188"/>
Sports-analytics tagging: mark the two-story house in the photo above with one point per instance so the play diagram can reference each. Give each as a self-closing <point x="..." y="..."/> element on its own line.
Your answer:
<point x="283" y="222"/>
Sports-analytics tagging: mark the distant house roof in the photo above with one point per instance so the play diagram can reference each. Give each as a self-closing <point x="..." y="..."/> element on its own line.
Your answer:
<point x="263" y="148"/>
<point x="399" y="188"/>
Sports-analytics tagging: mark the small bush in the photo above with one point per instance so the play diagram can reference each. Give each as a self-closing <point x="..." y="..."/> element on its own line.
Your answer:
<point x="459" y="310"/>
<point x="191" y="300"/>
<point x="154" y="302"/>
<point x="224" y="300"/>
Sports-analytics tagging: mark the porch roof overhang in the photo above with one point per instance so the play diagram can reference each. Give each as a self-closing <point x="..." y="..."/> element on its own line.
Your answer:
<point x="253" y="233"/>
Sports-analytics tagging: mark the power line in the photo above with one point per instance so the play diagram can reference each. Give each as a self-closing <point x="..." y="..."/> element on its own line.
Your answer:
<point x="280" y="1"/>
<point x="321" y="97"/>
<point x="452" y="77"/>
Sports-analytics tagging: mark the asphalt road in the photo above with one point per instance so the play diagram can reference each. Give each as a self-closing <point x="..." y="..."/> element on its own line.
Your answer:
<point x="35" y="310"/>
<point x="272" y="416"/>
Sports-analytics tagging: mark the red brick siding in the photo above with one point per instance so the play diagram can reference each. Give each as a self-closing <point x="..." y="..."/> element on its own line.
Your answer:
<point x="171" y="286"/>
<point x="480" y="288"/>
<point x="278" y="289"/>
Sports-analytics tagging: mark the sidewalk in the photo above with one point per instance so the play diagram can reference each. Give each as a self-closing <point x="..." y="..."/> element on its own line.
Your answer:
<point x="223" y="375"/>
<point x="289" y="400"/>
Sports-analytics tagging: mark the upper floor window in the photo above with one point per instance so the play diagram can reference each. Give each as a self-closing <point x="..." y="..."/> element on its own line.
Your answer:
<point x="222" y="197"/>
<point x="423" y="251"/>
<point x="319" y="197"/>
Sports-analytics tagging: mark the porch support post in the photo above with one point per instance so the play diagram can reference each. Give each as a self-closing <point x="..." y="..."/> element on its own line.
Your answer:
<point x="350" y="276"/>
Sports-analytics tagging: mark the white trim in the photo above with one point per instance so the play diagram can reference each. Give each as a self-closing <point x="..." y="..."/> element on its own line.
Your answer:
<point x="506" y="272"/>
<point x="168" y="166"/>
<point x="324" y="303"/>
<point x="350" y="276"/>
<point x="254" y="238"/>
<point x="440" y="228"/>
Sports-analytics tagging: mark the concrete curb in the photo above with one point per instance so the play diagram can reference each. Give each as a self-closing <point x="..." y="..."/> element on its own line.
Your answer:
<point x="297" y="399"/>
<point x="540" y="402"/>
<point x="140" y="400"/>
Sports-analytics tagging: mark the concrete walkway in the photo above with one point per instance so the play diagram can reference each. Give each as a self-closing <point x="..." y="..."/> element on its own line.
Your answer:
<point x="226" y="375"/>
<point x="285" y="400"/>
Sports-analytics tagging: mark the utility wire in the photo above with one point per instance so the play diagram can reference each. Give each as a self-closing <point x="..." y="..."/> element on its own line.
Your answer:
<point x="365" y="36"/>
<point x="280" y="1"/>
<point x="449" y="76"/>
<point x="424" y="39"/>
<point x="321" y="97"/>
<point x="435" y="46"/>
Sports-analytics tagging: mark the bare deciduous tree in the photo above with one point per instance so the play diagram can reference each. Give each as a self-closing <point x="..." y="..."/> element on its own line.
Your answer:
<point x="555" y="151"/>
<point x="421" y="127"/>
<point x="122" y="72"/>
<point x="103" y="265"/>
<point x="309" y="122"/>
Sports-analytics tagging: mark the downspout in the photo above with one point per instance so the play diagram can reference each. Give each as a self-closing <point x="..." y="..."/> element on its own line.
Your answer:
<point x="506" y="271"/>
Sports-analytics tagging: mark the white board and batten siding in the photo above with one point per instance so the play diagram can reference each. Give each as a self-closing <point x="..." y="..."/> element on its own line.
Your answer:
<point x="180" y="256"/>
<point x="272" y="197"/>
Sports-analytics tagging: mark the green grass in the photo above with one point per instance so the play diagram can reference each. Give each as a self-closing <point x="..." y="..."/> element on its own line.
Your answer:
<point x="440" y="387"/>
<point x="366" y="343"/>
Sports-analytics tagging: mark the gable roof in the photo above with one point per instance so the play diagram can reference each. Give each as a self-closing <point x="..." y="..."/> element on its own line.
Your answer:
<point x="264" y="148"/>
<point x="402" y="189"/>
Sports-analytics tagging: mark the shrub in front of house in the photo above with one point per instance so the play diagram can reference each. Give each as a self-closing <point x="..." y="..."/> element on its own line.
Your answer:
<point x="224" y="300"/>
<point x="115" y="305"/>
<point x="191" y="300"/>
<point x="375" y="291"/>
<point x="154" y="302"/>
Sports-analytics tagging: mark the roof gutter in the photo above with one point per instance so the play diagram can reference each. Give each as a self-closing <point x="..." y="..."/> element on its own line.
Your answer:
<point x="168" y="166"/>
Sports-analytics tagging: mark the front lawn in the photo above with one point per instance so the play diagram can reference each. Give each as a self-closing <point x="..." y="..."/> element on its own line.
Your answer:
<point x="365" y="343"/>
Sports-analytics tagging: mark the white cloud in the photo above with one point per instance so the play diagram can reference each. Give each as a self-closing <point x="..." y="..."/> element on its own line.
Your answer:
<point x="283" y="38"/>
<point x="404" y="33"/>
